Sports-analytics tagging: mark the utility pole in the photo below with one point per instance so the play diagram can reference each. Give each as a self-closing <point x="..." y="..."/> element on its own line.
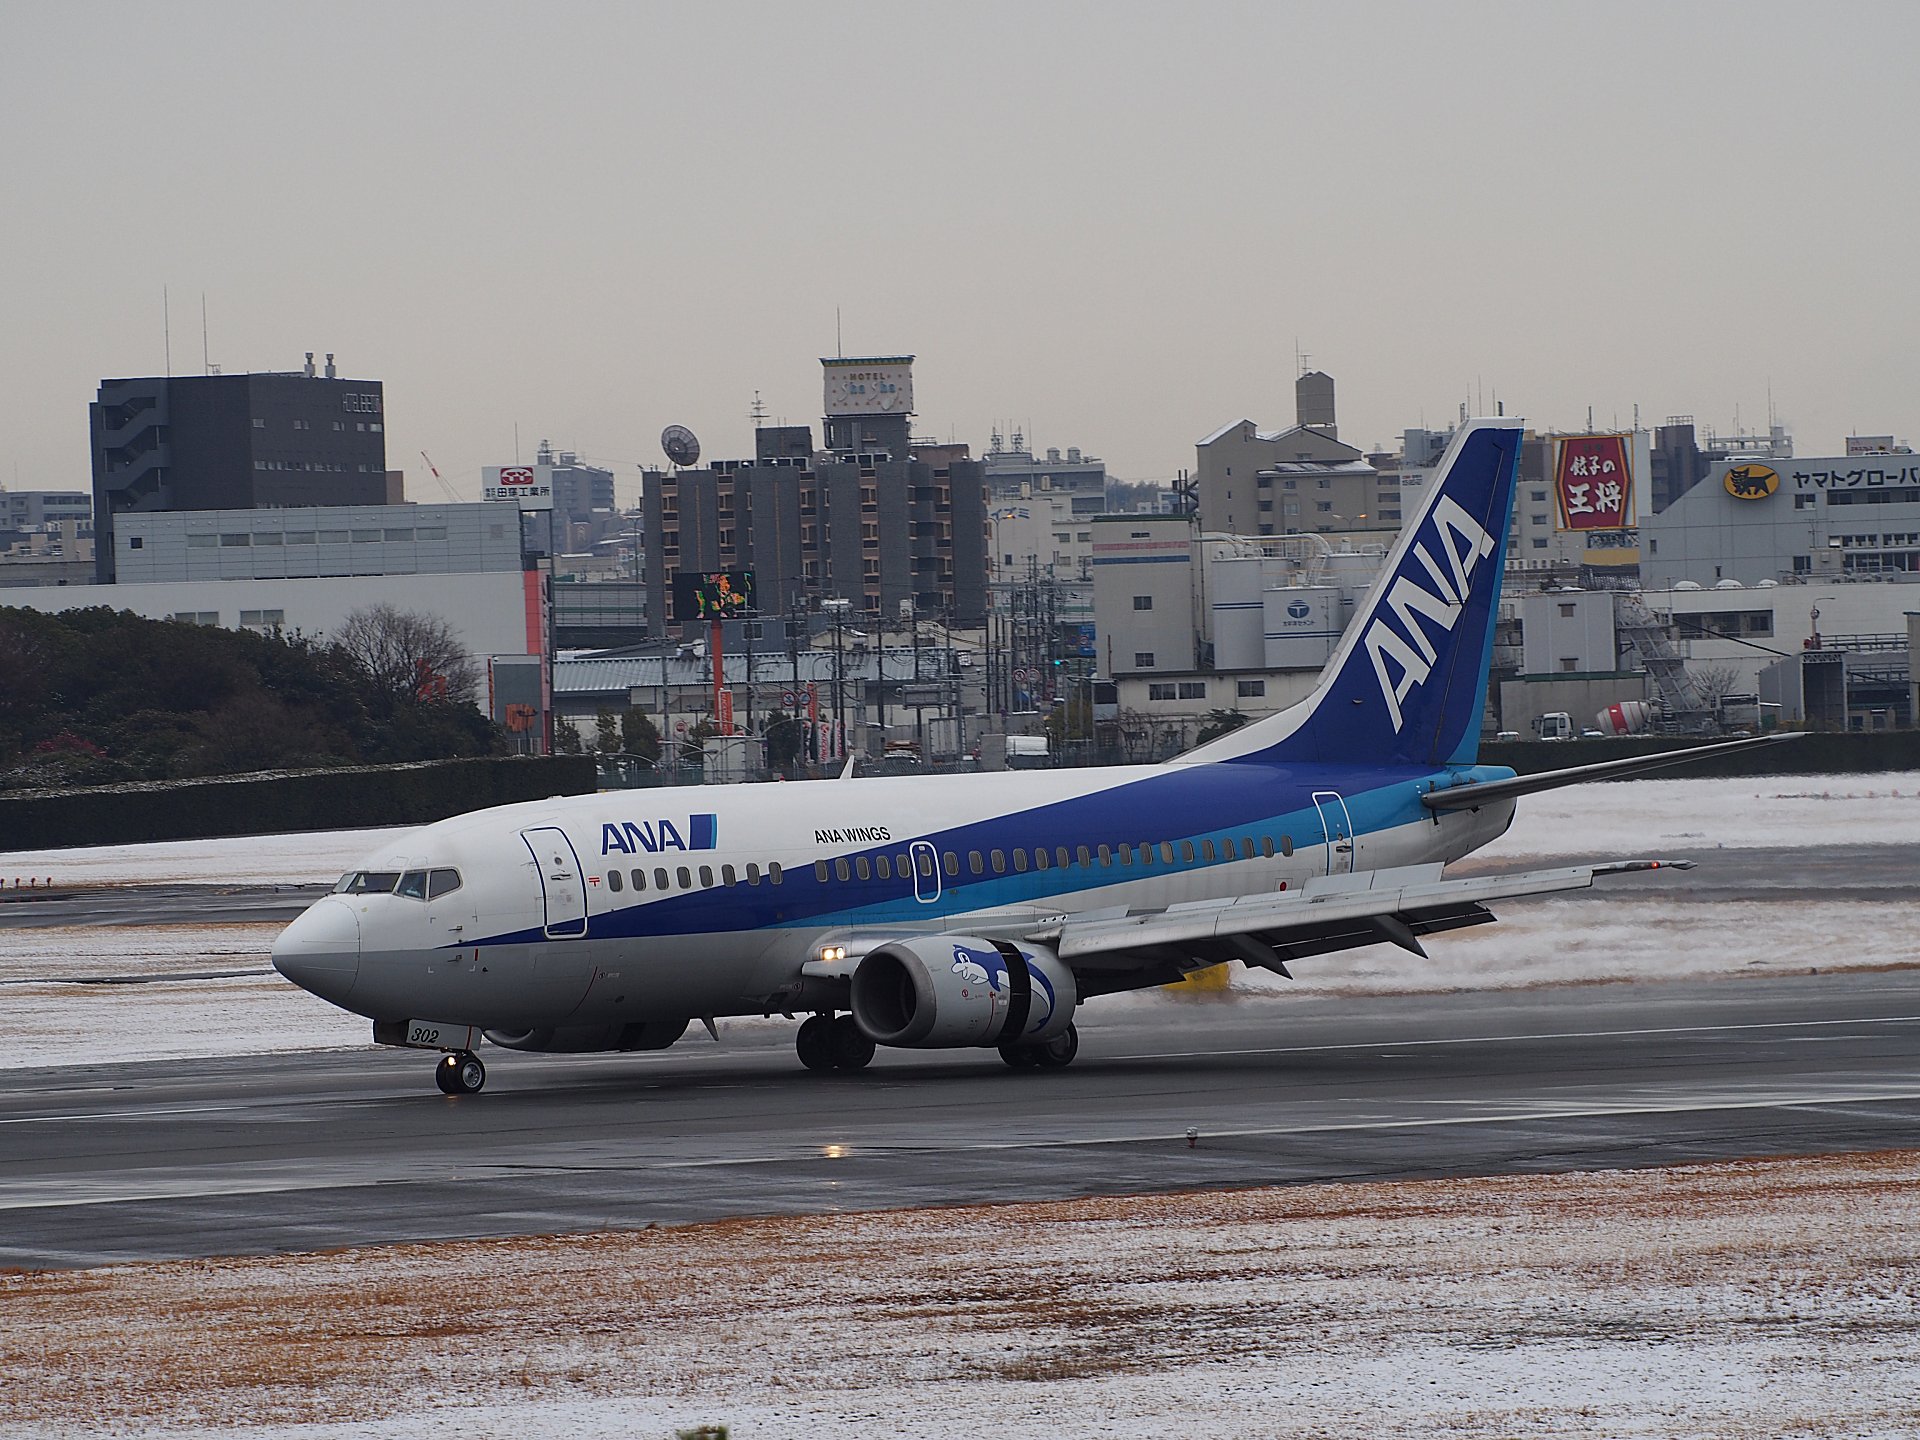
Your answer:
<point x="748" y="626"/>
<point x="880" y="674"/>
<point x="839" y="608"/>
<point x="919" y="711"/>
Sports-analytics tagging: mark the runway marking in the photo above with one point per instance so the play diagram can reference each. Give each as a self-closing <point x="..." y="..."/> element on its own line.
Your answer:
<point x="1510" y="1039"/>
<point x="59" y="1192"/>
<point x="1592" y="1112"/>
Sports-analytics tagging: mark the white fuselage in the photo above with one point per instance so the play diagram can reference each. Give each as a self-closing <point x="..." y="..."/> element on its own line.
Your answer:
<point x="661" y="904"/>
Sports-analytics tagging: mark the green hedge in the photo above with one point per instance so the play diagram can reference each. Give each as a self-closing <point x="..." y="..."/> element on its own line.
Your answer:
<point x="270" y="804"/>
<point x="1810" y="754"/>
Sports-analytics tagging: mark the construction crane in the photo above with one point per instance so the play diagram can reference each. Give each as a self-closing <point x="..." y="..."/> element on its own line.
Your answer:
<point x="437" y="477"/>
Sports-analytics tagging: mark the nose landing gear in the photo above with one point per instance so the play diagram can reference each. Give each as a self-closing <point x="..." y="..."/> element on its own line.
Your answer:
<point x="460" y="1073"/>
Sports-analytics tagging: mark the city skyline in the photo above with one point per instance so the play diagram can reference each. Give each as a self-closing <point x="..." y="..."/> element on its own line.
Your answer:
<point x="1114" y="227"/>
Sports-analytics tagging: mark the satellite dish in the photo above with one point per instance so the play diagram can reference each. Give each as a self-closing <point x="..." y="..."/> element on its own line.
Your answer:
<point x="681" y="445"/>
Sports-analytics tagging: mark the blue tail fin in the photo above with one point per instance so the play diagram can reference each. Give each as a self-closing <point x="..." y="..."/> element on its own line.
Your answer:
<point x="1408" y="684"/>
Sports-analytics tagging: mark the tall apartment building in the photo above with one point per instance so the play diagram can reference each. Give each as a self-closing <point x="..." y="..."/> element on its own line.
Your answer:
<point x="234" y="442"/>
<point x="871" y="518"/>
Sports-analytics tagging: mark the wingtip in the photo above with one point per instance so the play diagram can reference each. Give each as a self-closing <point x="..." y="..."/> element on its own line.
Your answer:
<point x="1628" y="867"/>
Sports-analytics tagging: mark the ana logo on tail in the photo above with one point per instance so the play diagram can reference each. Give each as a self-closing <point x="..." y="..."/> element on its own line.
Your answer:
<point x="1463" y="543"/>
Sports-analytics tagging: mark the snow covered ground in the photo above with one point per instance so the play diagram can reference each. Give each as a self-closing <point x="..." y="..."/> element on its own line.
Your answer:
<point x="210" y="989"/>
<point x="310" y="858"/>
<point x="1690" y="817"/>
<point x="1774" y="1299"/>
<point x="1634" y="817"/>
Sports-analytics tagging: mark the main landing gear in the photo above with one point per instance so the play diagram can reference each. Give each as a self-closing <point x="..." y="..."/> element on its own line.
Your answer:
<point x="460" y="1073"/>
<point x="1054" y="1054"/>
<point x="832" y="1042"/>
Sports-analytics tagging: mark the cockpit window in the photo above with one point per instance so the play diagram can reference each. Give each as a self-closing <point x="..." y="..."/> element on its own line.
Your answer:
<point x="367" y="882"/>
<point x="442" y="882"/>
<point x="413" y="885"/>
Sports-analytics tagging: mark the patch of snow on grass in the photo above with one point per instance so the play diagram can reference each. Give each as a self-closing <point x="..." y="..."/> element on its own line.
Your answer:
<point x="74" y="994"/>
<point x="1772" y="1298"/>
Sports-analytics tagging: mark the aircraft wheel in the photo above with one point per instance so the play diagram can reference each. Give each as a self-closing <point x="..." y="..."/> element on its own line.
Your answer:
<point x="460" y="1073"/>
<point x="1058" y="1053"/>
<point x="1019" y="1057"/>
<point x="814" y="1043"/>
<point x="850" y="1047"/>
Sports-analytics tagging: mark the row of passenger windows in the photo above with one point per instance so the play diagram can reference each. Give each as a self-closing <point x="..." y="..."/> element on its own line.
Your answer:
<point x="663" y="878"/>
<point x="902" y="865"/>
<point x="1060" y="857"/>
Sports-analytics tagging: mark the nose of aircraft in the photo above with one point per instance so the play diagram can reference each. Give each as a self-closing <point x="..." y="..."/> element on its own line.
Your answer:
<point x="320" y="951"/>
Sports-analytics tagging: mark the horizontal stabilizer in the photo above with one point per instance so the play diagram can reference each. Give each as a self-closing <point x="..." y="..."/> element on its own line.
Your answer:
<point x="1467" y="797"/>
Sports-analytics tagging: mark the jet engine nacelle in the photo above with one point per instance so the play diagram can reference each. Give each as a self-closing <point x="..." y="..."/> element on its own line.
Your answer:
<point x="949" y="990"/>
<point x="578" y="1039"/>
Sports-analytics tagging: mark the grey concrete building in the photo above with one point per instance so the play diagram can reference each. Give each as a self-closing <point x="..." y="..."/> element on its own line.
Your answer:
<point x="24" y="510"/>
<point x="234" y="442"/>
<point x="1144" y="593"/>
<point x="579" y="489"/>
<point x="313" y="541"/>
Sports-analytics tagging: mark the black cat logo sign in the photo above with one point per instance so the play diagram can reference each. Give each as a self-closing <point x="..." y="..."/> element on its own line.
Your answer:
<point x="1751" y="482"/>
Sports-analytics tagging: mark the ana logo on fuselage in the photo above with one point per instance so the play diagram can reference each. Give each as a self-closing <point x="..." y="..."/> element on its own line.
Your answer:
<point x="630" y="838"/>
<point x="1463" y="543"/>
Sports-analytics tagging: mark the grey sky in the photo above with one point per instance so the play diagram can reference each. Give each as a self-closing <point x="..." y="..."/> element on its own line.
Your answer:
<point x="1108" y="223"/>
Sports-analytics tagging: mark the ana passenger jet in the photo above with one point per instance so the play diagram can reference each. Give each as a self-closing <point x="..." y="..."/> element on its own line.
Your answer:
<point x="973" y="910"/>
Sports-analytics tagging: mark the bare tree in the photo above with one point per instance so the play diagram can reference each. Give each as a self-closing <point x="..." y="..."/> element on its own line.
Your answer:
<point x="408" y="655"/>
<point x="1713" y="683"/>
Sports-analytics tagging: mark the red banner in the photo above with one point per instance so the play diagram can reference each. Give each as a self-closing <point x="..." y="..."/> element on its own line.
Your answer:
<point x="1593" y="483"/>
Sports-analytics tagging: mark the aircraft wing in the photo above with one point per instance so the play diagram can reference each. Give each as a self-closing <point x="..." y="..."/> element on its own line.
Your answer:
<point x="1335" y="912"/>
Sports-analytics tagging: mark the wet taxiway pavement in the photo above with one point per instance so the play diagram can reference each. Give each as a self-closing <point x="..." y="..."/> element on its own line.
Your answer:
<point x="297" y="1152"/>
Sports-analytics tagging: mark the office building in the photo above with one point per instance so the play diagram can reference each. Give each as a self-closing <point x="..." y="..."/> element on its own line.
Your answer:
<point x="1755" y="519"/>
<point x="24" y="511"/>
<point x="234" y="442"/>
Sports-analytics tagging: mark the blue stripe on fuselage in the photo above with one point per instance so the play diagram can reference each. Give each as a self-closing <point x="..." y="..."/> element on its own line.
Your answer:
<point x="1192" y="804"/>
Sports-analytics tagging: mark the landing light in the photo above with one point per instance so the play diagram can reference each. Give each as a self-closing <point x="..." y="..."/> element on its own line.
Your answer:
<point x="835" y="1152"/>
<point x="832" y="953"/>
